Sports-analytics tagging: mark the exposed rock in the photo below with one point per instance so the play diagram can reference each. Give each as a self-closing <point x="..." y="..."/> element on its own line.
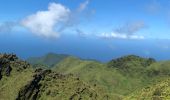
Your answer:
<point x="31" y="90"/>
<point x="54" y="85"/>
<point x="8" y="70"/>
<point x="41" y="84"/>
<point x="10" y="61"/>
<point x="0" y="72"/>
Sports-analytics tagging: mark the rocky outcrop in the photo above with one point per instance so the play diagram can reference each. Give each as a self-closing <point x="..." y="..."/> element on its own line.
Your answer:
<point x="8" y="62"/>
<point x="40" y="84"/>
<point x="31" y="90"/>
<point x="5" y="67"/>
<point x="57" y="87"/>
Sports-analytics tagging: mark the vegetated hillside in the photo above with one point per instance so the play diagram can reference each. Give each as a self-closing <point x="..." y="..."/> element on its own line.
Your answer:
<point x="158" y="91"/>
<point x="159" y="69"/>
<point x="120" y="77"/>
<point x="18" y="80"/>
<point x="131" y="64"/>
<point x="14" y="73"/>
<point x="47" y="60"/>
<point x="48" y="85"/>
<point x="116" y="81"/>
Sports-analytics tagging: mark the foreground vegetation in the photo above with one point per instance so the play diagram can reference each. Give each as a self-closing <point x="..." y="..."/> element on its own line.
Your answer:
<point x="18" y="80"/>
<point x="119" y="77"/>
<point x="70" y="78"/>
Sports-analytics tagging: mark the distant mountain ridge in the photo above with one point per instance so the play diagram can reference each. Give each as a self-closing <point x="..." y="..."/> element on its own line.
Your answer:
<point x="124" y="78"/>
<point x="47" y="60"/>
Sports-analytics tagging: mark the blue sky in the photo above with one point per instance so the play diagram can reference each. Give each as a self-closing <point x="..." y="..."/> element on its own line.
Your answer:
<point x="90" y="29"/>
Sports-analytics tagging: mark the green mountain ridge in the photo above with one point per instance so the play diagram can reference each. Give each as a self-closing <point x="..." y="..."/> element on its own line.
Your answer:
<point x="110" y="78"/>
<point x="19" y="81"/>
<point x="70" y="78"/>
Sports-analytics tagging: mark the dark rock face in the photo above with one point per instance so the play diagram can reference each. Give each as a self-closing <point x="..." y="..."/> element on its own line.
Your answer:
<point x="43" y="80"/>
<point x="43" y="83"/>
<point x="0" y="72"/>
<point x="8" y="70"/>
<point x="5" y="68"/>
<point x="8" y="61"/>
<point x="31" y="90"/>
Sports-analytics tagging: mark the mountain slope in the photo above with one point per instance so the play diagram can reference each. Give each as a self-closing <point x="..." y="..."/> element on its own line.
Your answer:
<point x="131" y="64"/>
<point x="119" y="77"/>
<point x="48" y="85"/>
<point x="112" y="79"/>
<point x="159" y="69"/>
<point x="47" y="60"/>
<point x="19" y="81"/>
<point x="158" y="91"/>
<point x="14" y="74"/>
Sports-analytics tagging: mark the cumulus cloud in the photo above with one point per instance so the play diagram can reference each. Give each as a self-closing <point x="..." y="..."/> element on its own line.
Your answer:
<point x="44" y="23"/>
<point x="76" y="16"/>
<point x="50" y="23"/>
<point x="120" y="36"/>
<point x="127" y="31"/>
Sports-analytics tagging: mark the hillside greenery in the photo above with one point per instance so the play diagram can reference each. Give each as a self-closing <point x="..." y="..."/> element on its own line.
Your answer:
<point x="120" y="76"/>
<point x="19" y="81"/>
<point x="158" y="91"/>
<point x="70" y="78"/>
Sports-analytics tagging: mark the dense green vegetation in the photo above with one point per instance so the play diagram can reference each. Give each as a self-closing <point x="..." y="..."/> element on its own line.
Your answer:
<point x="70" y="78"/>
<point x="14" y="74"/>
<point x="157" y="91"/>
<point x="18" y="80"/>
<point x="117" y="81"/>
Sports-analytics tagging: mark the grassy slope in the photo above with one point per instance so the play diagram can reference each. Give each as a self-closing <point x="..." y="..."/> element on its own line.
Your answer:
<point x="160" y="89"/>
<point x="53" y="86"/>
<point x="9" y="86"/>
<point x="65" y="87"/>
<point x="157" y="91"/>
<point x="111" y="79"/>
<point x="120" y="77"/>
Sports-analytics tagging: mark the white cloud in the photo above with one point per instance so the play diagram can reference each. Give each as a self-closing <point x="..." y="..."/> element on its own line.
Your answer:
<point x="49" y="23"/>
<point x="44" y="23"/>
<point x="120" y="36"/>
<point x="127" y="31"/>
<point x="76" y="16"/>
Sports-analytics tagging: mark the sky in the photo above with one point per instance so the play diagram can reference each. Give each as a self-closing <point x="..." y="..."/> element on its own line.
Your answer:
<point x="89" y="29"/>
